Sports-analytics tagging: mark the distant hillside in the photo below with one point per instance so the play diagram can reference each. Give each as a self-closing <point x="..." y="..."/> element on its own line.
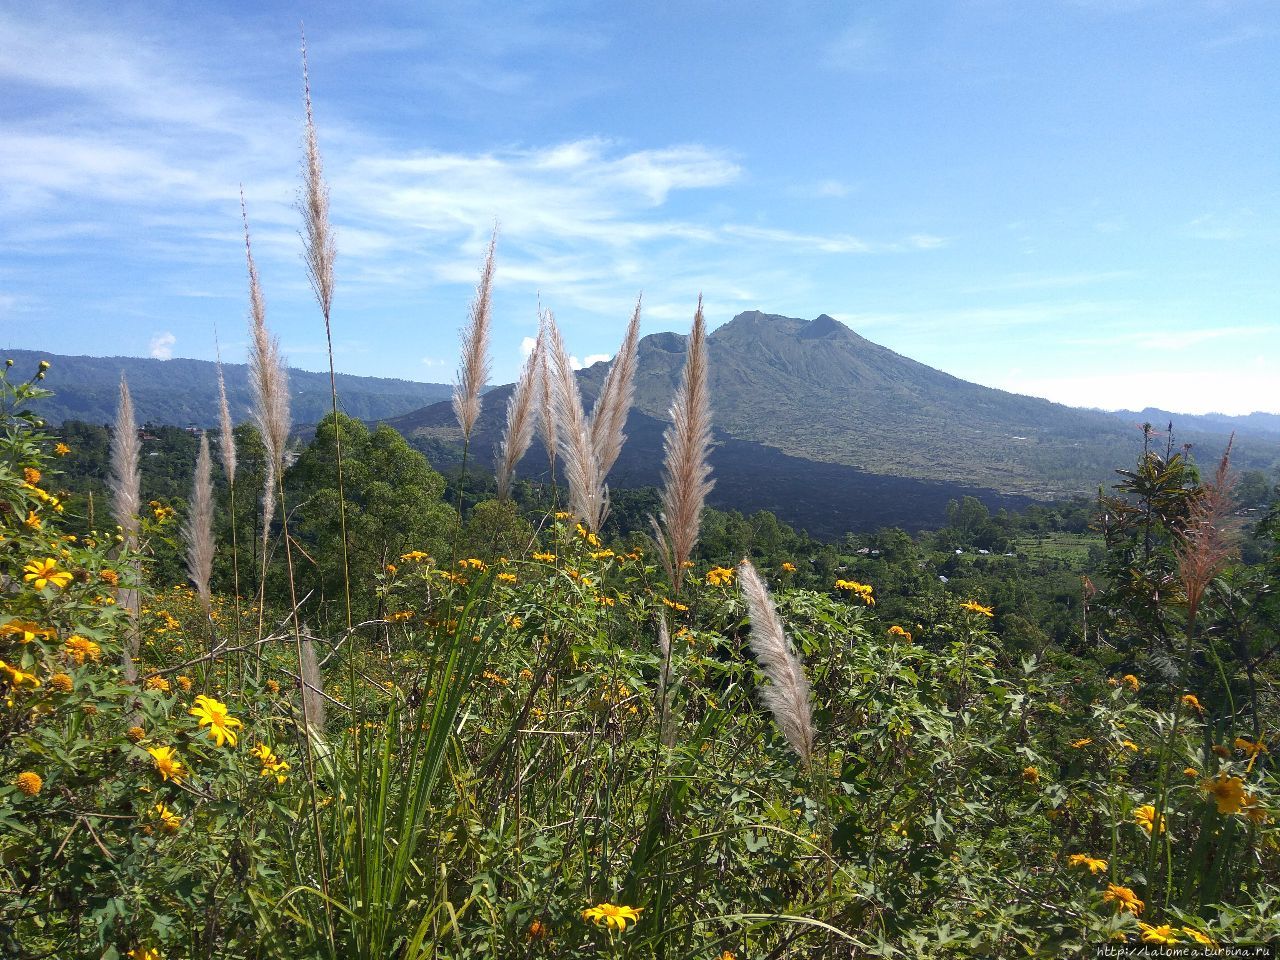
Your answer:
<point x="183" y="392"/>
<point x="1265" y="425"/>
<point x="833" y="432"/>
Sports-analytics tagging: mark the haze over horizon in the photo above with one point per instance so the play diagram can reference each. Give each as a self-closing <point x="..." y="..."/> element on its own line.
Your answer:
<point x="1078" y="201"/>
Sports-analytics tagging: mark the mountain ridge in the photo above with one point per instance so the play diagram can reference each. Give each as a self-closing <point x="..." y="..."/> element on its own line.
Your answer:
<point x="182" y="391"/>
<point x="845" y="413"/>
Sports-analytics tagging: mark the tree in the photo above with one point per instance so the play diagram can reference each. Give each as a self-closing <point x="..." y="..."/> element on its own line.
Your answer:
<point x="392" y="502"/>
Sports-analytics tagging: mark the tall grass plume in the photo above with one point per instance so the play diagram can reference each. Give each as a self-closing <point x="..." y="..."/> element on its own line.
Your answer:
<point x="197" y="529"/>
<point x="522" y="414"/>
<point x="1208" y="539"/>
<point x="787" y="693"/>
<point x="473" y="370"/>
<point x="588" y="497"/>
<point x="125" y="484"/>
<point x="613" y="405"/>
<point x="686" y="448"/>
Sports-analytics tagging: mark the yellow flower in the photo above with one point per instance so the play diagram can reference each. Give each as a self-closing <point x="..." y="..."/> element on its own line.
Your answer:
<point x="42" y="573"/>
<point x="1081" y="743"/>
<point x="473" y="564"/>
<point x="719" y="577"/>
<point x="169" y="821"/>
<point x="273" y="686"/>
<point x="1253" y="809"/>
<point x="62" y="682"/>
<point x="861" y="590"/>
<point x="24" y="631"/>
<point x="31" y="475"/>
<point x="415" y="556"/>
<point x="1130" y="745"/>
<point x="32" y="521"/>
<point x="1145" y="817"/>
<point x="515" y="623"/>
<point x="544" y="557"/>
<point x="61" y="449"/>
<point x="1126" y="900"/>
<point x="897" y="631"/>
<point x="1190" y="772"/>
<point x="978" y="608"/>
<point x="1030" y="774"/>
<point x="1131" y="682"/>
<point x="19" y="678"/>
<point x="1093" y="864"/>
<point x="29" y="783"/>
<point x="1198" y="937"/>
<point x="612" y="915"/>
<point x="674" y="605"/>
<point x="1250" y="748"/>
<point x="158" y="683"/>
<point x="1228" y="791"/>
<point x="400" y="616"/>
<point x="213" y="714"/>
<point x="271" y="764"/>
<point x="109" y="576"/>
<point x="506" y="578"/>
<point x="167" y="763"/>
<point x="136" y="734"/>
<point x="1190" y="701"/>
<point x="184" y="683"/>
<point x="144" y="953"/>
<point x="538" y="931"/>
<point x="1161" y="934"/>
<point x="788" y="567"/>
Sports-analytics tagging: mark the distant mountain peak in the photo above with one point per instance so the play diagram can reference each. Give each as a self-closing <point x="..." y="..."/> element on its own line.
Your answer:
<point x="824" y="327"/>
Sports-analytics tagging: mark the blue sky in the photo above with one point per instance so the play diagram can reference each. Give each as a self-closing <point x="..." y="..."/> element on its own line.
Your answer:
<point x="1077" y="199"/>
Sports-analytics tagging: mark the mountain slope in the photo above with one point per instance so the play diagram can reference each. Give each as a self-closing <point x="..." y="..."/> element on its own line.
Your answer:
<point x="183" y="392"/>
<point x="834" y="432"/>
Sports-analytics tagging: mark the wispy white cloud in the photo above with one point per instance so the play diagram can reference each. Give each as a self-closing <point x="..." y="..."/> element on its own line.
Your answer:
<point x="1171" y="339"/>
<point x="1035" y="281"/>
<point x="142" y="152"/>
<point x="829" y="189"/>
<point x="967" y="320"/>
<point x="1246" y="33"/>
<point x="162" y="345"/>
<point x="858" y="47"/>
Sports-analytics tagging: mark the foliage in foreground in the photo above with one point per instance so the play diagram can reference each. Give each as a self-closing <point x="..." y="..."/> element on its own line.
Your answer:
<point x="500" y="776"/>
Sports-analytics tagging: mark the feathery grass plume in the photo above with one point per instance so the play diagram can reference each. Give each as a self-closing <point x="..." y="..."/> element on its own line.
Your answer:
<point x="314" y="204"/>
<point x="125" y="483"/>
<point x="787" y="694"/>
<point x="226" y="435"/>
<point x="197" y="529"/>
<point x="125" y="480"/>
<point x="270" y="382"/>
<point x="545" y="395"/>
<point x="609" y="415"/>
<point x="588" y="496"/>
<point x="521" y="416"/>
<point x="313" y="709"/>
<point x="1207" y="541"/>
<point x="686" y="446"/>
<point x="473" y="371"/>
